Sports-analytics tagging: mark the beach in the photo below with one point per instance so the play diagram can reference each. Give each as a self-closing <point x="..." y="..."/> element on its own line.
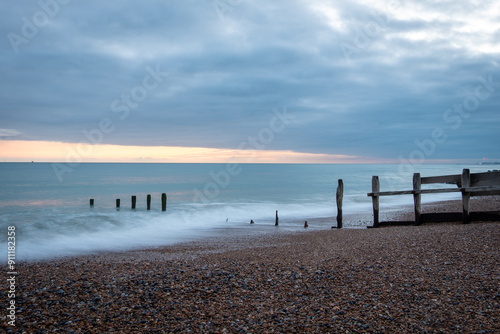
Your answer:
<point x="434" y="278"/>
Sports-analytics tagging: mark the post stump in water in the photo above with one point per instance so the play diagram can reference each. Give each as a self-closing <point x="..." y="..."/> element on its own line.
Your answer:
<point x="340" y="197"/>
<point x="163" y="202"/>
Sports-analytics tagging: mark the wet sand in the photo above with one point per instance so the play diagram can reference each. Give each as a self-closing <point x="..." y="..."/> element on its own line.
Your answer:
<point x="432" y="278"/>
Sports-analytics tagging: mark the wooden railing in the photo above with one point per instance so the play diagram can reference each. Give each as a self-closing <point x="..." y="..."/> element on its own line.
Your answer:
<point x="477" y="184"/>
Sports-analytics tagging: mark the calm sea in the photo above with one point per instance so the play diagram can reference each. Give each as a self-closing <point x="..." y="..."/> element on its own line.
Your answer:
<point x="52" y="216"/>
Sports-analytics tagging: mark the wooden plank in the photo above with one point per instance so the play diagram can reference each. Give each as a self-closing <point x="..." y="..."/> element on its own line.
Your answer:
<point x="446" y="217"/>
<point x="441" y="217"/>
<point x="375" y="200"/>
<point x="485" y="216"/>
<point x="477" y="179"/>
<point x="479" y="189"/>
<point x="389" y="193"/>
<point x="456" y="179"/>
<point x="465" y="195"/>
<point x="396" y="223"/>
<point x="485" y="193"/>
<point x="412" y="192"/>
<point x="443" y="190"/>
<point x="340" y="197"/>
<point x="485" y="179"/>
<point x="417" y="202"/>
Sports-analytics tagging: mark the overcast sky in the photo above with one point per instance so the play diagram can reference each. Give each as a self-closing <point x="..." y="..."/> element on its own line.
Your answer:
<point x="374" y="79"/>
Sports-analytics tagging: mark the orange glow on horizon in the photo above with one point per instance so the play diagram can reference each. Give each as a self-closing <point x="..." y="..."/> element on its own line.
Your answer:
<point x="42" y="151"/>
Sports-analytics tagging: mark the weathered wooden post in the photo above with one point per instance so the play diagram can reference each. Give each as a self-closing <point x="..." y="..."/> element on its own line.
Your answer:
<point x="375" y="199"/>
<point x="163" y="202"/>
<point x="117" y="203"/>
<point x="148" y="202"/>
<point x="305" y="224"/>
<point x="340" y="197"/>
<point x="465" y="196"/>
<point x="276" y="223"/>
<point x="417" y="202"/>
<point x="91" y="202"/>
<point x="134" y="201"/>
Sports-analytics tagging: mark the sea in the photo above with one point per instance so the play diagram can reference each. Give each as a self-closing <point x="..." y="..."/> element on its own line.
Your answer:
<point x="49" y="204"/>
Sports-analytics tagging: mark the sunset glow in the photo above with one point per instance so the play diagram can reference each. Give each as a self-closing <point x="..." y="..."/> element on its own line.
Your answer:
<point x="42" y="151"/>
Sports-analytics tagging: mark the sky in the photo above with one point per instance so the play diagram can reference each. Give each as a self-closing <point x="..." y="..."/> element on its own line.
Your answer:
<point x="320" y="81"/>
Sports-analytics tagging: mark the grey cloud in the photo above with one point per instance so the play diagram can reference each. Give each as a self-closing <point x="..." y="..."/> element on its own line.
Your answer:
<point x="226" y="76"/>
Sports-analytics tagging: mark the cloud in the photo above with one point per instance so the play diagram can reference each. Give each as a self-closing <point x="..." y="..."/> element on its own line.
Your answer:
<point x="227" y="75"/>
<point x="9" y="133"/>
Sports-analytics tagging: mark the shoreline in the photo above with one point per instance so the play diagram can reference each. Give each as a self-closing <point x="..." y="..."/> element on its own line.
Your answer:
<point x="227" y="236"/>
<point x="435" y="277"/>
<point x="249" y="236"/>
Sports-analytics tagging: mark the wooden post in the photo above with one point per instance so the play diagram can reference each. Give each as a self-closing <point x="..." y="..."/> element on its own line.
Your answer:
<point x="340" y="197"/>
<point x="134" y="201"/>
<point x="163" y="202"/>
<point x="375" y="200"/>
<point x="465" y="196"/>
<point x="276" y="223"/>
<point x="117" y="203"/>
<point x="148" y="201"/>
<point x="417" y="185"/>
<point x="306" y="225"/>
<point x="91" y="202"/>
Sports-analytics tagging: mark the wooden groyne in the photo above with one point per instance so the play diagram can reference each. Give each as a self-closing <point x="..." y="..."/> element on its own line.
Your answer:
<point x="133" y="201"/>
<point x="339" y="200"/>
<point x="468" y="184"/>
<point x="476" y="184"/>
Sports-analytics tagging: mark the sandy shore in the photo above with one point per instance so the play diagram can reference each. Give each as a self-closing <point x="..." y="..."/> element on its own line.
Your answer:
<point x="435" y="278"/>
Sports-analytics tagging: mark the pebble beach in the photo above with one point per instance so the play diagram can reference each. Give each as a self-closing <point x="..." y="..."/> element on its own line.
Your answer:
<point x="434" y="278"/>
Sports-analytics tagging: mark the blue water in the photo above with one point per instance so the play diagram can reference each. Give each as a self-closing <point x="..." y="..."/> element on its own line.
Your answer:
<point x="53" y="218"/>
